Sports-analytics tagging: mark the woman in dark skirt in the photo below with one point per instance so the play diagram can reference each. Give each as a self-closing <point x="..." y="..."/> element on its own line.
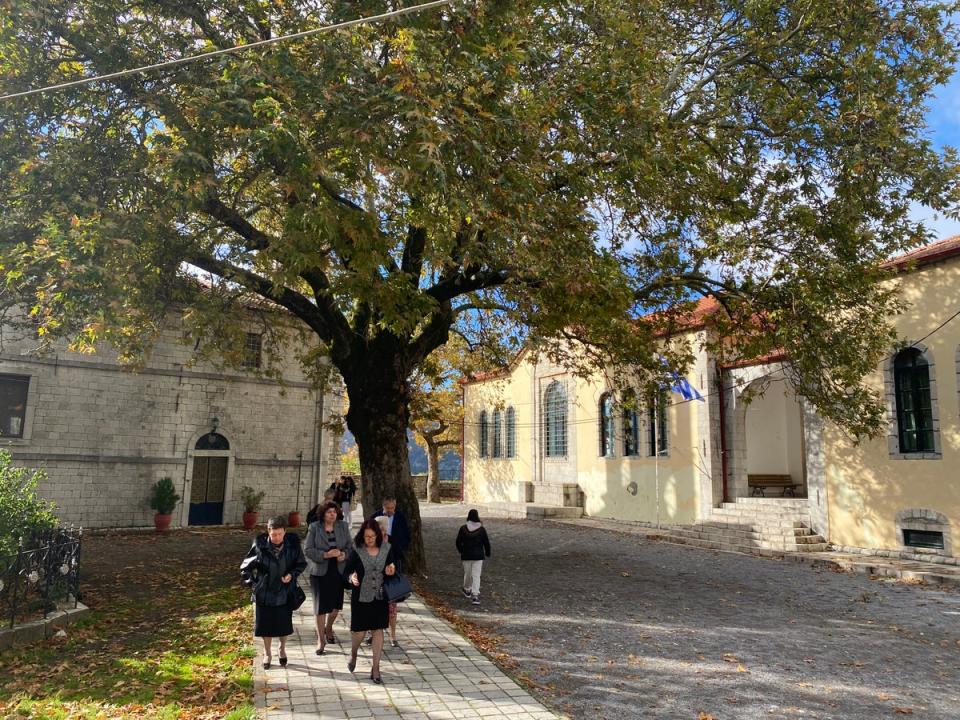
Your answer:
<point x="272" y="567"/>
<point x="328" y="541"/>
<point x="371" y="559"/>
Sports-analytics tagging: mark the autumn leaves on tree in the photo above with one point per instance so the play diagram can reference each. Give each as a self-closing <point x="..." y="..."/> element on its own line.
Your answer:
<point x="506" y="171"/>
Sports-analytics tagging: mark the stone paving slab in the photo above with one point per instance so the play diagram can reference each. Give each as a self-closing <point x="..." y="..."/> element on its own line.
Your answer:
<point x="436" y="674"/>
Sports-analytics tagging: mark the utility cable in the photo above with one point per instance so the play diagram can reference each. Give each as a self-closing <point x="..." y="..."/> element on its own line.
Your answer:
<point x="236" y="48"/>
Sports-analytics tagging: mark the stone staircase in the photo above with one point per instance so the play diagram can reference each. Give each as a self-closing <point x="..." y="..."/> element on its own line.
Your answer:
<point x="755" y="525"/>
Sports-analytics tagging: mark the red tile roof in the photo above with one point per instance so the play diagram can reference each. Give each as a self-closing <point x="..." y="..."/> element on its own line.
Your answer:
<point x="926" y="254"/>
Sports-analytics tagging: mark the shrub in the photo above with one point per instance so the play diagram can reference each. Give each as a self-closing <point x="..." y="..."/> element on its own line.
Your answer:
<point x="251" y="499"/>
<point x="163" y="496"/>
<point x="22" y="511"/>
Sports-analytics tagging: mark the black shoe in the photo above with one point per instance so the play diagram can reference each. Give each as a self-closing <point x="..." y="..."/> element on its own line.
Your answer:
<point x="352" y="665"/>
<point x="394" y="643"/>
<point x="283" y="661"/>
<point x="266" y="664"/>
<point x="466" y="593"/>
<point x="332" y="639"/>
<point x="376" y="678"/>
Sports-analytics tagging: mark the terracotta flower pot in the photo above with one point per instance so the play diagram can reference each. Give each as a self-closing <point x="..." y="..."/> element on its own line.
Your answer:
<point x="293" y="519"/>
<point x="250" y="520"/>
<point x="161" y="521"/>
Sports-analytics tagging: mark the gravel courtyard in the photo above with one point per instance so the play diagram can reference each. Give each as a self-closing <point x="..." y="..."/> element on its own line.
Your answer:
<point x="609" y="625"/>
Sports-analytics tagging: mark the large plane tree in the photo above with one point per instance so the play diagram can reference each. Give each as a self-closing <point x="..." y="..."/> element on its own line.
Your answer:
<point x="512" y="171"/>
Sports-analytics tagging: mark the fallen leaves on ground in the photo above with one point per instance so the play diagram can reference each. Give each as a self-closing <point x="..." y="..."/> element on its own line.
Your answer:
<point x="167" y="636"/>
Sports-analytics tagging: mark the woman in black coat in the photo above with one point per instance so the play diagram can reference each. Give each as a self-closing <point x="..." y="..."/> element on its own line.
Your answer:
<point x="370" y="560"/>
<point x="272" y="567"/>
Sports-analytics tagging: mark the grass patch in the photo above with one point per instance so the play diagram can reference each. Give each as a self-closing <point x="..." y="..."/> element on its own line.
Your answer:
<point x="170" y="641"/>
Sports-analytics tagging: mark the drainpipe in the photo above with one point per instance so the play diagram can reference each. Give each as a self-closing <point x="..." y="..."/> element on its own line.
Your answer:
<point x="723" y="431"/>
<point x="317" y="445"/>
<point x="463" y="441"/>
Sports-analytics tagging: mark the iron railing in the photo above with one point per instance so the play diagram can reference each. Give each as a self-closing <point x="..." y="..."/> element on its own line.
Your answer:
<point x="41" y="576"/>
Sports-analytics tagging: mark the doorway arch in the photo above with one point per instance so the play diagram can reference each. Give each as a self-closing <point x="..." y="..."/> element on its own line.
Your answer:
<point x="208" y="480"/>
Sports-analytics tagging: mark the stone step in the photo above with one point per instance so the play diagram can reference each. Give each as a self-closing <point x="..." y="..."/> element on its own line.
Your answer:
<point x="538" y="512"/>
<point x="756" y="525"/>
<point x="787" y="534"/>
<point x="765" y="514"/>
<point x="787" y="502"/>
<point x="735" y="547"/>
<point x="781" y="542"/>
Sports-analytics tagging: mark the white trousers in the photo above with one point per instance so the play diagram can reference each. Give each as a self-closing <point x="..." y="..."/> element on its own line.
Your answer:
<point x="471" y="575"/>
<point x="345" y="506"/>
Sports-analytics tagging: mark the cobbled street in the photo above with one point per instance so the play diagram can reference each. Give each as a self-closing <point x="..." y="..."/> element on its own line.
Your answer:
<point x="610" y="625"/>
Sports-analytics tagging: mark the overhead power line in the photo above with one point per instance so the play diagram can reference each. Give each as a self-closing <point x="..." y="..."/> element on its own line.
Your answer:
<point x="236" y="48"/>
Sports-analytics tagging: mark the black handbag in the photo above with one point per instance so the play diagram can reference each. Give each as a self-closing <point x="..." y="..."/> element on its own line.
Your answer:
<point x="396" y="588"/>
<point x="296" y="597"/>
<point x="248" y="570"/>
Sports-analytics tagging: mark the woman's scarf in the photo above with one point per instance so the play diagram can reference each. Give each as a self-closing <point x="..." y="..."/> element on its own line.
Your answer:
<point x="372" y="586"/>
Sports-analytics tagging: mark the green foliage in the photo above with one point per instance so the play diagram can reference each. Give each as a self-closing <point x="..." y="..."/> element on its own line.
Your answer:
<point x="350" y="461"/>
<point x="163" y="496"/>
<point x="251" y="499"/>
<point x="21" y="509"/>
<point x="510" y="171"/>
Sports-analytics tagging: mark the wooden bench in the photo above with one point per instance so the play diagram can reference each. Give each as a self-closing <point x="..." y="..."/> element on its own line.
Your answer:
<point x="757" y="484"/>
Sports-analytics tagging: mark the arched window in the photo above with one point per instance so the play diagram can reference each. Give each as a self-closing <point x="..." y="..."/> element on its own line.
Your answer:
<point x="484" y="434"/>
<point x="606" y="425"/>
<point x="631" y="428"/>
<point x="657" y="425"/>
<point x="555" y="420"/>
<point x="511" y="432"/>
<point x="497" y="434"/>
<point x="911" y="376"/>
<point x="212" y="441"/>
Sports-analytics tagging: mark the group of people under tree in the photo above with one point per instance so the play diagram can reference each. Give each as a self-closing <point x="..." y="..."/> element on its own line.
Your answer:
<point x="335" y="561"/>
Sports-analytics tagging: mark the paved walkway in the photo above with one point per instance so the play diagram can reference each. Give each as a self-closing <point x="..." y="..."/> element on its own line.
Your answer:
<point x="436" y="674"/>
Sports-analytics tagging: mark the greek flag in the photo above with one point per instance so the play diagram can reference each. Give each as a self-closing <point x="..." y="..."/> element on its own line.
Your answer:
<point x="682" y="386"/>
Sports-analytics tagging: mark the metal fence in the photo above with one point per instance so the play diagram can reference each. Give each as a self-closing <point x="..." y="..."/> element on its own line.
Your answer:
<point x="41" y="576"/>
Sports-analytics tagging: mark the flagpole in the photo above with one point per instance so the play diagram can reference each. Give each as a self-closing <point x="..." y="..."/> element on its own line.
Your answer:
<point x="656" y="454"/>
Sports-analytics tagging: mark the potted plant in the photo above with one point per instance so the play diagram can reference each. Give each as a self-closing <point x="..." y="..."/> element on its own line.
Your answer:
<point x="251" y="500"/>
<point x="163" y="499"/>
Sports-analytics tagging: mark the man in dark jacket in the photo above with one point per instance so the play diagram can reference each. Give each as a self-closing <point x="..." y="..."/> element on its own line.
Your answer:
<point x="398" y="533"/>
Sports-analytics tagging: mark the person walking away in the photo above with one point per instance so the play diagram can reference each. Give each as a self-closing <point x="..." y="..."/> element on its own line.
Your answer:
<point x="345" y="490"/>
<point x="473" y="545"/>
<point x="370" y="560"/>
<point x="328" y="542"/>
<point x="398" y="533"/>
<point x="272" y="566"/>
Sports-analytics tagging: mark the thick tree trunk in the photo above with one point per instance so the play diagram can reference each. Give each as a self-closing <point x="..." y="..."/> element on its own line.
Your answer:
<point x="433" y="471"/>
<point x="378" y="418"/>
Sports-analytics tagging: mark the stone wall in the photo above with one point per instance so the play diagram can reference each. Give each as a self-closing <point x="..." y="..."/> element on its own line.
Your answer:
<point x="105" y="434"/>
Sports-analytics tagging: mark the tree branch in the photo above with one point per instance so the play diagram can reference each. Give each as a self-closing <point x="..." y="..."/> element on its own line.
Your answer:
<point x="412" y="261"/>
<point x="234" y="220"/>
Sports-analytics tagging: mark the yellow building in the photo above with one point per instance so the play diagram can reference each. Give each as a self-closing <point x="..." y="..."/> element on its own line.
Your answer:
<point x="720" y="471"/>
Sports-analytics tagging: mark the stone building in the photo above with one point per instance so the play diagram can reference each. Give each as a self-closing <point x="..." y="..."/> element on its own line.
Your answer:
<point x="730" y="457"/>
<point x="105" y="434"/>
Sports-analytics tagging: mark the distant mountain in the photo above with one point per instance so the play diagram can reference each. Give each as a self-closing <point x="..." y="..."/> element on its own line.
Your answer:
<point x="449" y="461"/>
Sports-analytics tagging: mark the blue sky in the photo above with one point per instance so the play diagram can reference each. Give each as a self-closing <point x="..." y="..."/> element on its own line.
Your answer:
<point x="944" y="120"/>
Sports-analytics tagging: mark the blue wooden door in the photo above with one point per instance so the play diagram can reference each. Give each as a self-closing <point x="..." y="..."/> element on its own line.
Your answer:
<point x="207" y="491"/>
